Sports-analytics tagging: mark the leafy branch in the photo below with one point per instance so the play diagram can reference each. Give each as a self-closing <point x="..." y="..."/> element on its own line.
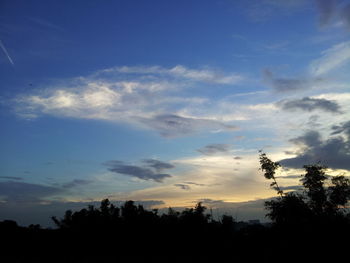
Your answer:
<point x="269" y="168"/>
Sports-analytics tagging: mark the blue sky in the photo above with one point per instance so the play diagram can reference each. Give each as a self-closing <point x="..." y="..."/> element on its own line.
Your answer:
<point x="168" y="102"/>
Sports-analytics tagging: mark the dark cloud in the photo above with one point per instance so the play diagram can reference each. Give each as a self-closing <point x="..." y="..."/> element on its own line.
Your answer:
<point x="331" y="11"/>
<point x="333" y="152"/>
<point x="210" y="201"/>
<point x="183" y="186"/>
<point x="327" y="10"/>
<point x="141" y="172"/>
<point x="11" y="178"/>
<point x="310" y="104"/>
<point x="288" y="84"/>
<point x="26" y="192"/>
<point x="342" y="128"/>
<point x="193" y="183"/>
<point x="237" y="158"/>
<point x="186" y="185"/>
<point x="284" y="84"/>
<point x="212" y="149"/>
<point x="345" y="15"/>
<point x="158" y="165"/>
<point x="76" y="182"/>
<point x="170" y="125"/>
<point x="309" y="139"/>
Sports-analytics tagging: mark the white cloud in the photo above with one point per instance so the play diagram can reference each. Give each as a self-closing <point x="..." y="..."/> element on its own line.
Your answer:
<point x="332" y="58"/>
<point x="203" y="75"/>
<point x="149" y="98"/>
<point x="6" y="53"/>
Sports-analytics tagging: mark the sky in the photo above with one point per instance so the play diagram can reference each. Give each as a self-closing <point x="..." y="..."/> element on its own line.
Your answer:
<point x="168" y="102"/>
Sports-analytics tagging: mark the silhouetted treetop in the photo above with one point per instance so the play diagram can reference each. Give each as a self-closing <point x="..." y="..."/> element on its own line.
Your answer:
<point x="323" y="198"/>
<point x="269" y="168"/>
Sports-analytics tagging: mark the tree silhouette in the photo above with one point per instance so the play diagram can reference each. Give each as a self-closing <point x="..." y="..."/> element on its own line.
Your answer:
<point x="313" y="181"/>
<point x="269" y="168"/>
<point x="290" y="209"/>
<point x="322" y="199"/>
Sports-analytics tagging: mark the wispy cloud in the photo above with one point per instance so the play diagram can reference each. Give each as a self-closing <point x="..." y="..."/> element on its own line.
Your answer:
<point x="6" y="53"/>
<point x="212" y="149"/>
<point x="196" y="184"/>
<point x="174" y="125"/>
<point x="11" y="178"/>
<point x="264" y="9"/>
<point x="45" y="23"/>
<point x="331" y="59"/>
<point x="76" y="182"/>
<point x="203" y="75"/>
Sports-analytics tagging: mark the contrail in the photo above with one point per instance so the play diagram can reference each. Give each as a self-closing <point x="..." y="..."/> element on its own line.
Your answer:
<point x="6" y="53"/>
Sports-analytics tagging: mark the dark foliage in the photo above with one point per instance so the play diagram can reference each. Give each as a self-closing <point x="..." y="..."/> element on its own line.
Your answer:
<point x="315" y="220"/>
<point x="290" y="209"/>
<point x="323" y="199"/>
<point x="117" y="234"/>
